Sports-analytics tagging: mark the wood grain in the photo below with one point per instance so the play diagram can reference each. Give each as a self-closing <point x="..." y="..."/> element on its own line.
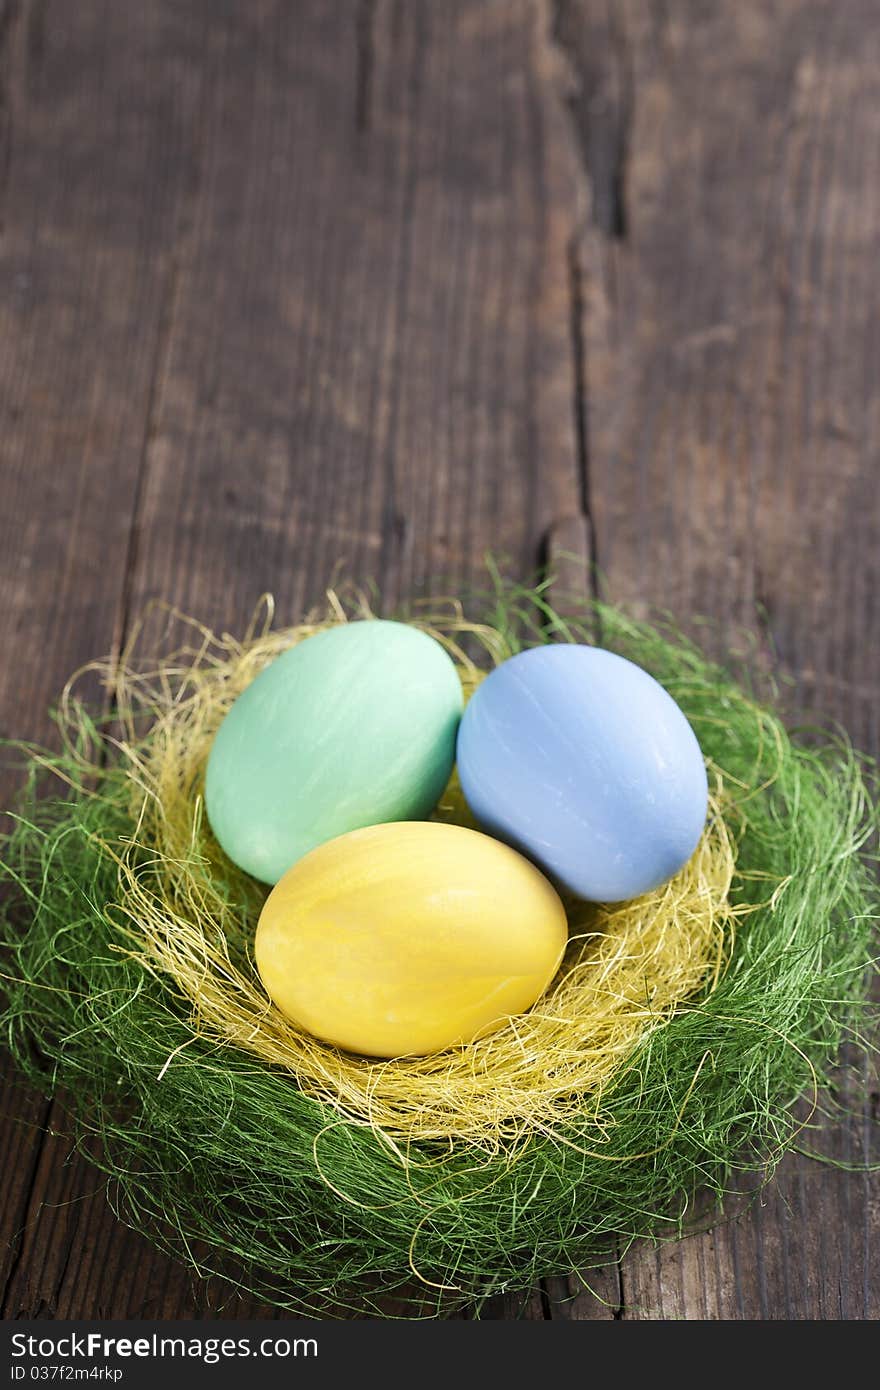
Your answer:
<point x="371" y="288"/>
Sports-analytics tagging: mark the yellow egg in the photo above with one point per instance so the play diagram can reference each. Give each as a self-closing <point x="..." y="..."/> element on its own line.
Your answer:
<point x="409" y="938"/>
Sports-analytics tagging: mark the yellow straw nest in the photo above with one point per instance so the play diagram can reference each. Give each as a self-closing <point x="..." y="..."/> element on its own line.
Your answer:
<point x="189" y="915"/>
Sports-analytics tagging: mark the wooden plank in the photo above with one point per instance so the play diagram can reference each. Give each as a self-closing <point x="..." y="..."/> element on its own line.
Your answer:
<point x="366" y="365"/>
<point x="80" y="335"/>
<point x="730" y="305"/>
<point x="394" y="341"/>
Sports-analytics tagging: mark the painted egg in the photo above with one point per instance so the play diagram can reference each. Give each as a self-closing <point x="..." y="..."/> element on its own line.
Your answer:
<point x="407" y="939"/>
<point x="583" y="761"/>
<point x="352" y="726"/>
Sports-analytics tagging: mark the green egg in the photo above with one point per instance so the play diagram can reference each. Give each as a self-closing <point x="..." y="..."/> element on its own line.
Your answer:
<point x="355" y="726"/>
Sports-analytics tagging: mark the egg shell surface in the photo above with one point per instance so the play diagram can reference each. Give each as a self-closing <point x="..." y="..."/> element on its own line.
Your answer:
<point x="582" y="760"/>
<point x="406" y="939"/>
<point x="353" y="726"/>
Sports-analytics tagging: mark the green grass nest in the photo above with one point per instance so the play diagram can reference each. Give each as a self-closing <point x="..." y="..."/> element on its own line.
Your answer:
<point x="221" y="1158"/>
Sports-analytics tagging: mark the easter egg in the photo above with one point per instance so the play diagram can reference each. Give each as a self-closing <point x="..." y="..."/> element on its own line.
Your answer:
<point x="410" y="938"/>
<point x="353" y="726"/>
<point x="584" y="762"/>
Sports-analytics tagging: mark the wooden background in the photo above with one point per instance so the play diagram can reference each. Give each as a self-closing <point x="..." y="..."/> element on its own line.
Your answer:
<point x="385" y="284"/>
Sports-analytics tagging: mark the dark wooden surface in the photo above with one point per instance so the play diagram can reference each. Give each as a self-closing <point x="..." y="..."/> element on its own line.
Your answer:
<point x="291" y="287"/>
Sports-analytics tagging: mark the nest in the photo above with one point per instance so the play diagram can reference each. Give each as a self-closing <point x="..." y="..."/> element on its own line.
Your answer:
<point x="673" y="1046"/>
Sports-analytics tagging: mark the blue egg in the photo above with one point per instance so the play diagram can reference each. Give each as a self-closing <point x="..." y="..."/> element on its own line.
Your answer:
<point x="585" y="763"/>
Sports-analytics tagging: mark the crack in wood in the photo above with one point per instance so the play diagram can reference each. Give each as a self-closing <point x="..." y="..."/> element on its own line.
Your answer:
<point x="27" y="1194"/>
<point x="601" y="108"/>
<point x="619" y="1312"/>
<point x="618" y="205"/>
<point x="581" y="401"/>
